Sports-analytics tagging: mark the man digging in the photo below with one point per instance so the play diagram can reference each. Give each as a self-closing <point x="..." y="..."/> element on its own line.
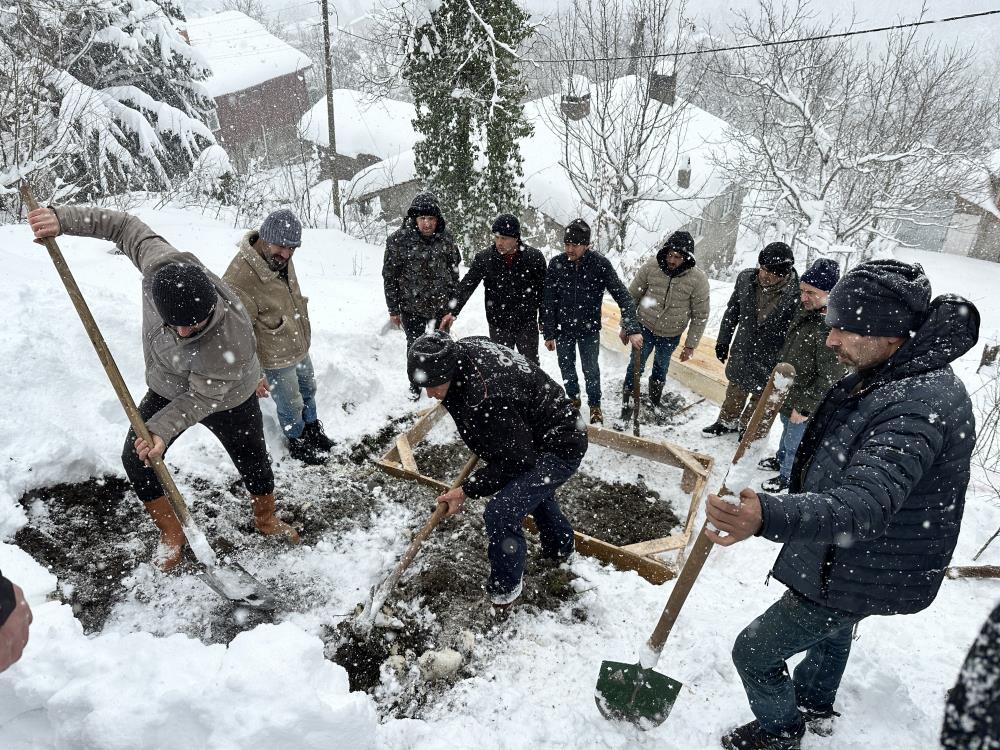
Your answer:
<point x="521" y="424"/>
<point x="201" y="367"/>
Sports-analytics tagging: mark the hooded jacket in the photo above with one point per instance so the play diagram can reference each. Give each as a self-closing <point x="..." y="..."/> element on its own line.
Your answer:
<point x="878" y="486"/>
<point x="668" y="302"/>
<point x="420" y="274"/>
<point x="509" y="411"/>
<point x="816" y="365"/>
<point x="574" y="292"/>
<point x="513" y="293"/>
<point x="213" y="370"/>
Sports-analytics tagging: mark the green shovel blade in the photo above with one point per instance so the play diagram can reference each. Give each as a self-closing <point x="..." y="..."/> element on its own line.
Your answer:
<point x="627" y="692"/>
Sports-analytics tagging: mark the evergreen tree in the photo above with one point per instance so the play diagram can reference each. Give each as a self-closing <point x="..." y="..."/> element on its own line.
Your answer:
<point x="462" y="68"/>
<point x="105" y="97"/>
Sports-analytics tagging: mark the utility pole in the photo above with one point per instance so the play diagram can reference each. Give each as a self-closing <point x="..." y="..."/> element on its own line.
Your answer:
<point x="331" y="153"/>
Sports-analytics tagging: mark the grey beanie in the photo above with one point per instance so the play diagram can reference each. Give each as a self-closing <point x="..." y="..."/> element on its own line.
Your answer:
<point x="431" y="360"/>
<point x="880" y="298"/>
<point x="281" y="227"/>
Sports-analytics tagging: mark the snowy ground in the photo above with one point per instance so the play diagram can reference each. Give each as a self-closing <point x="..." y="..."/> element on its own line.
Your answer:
<point x="271" y="687"/>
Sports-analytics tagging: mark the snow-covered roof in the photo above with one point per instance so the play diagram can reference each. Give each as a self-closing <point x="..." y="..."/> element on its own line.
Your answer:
<point x="383" y="128"/>
<point x="241" y="52"/>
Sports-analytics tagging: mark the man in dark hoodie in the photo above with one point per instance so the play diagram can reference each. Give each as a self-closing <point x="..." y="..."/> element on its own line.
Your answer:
<point x="521" y="424"/>
<point x="15" y="617"/>
<point x="876" y="497"/>
<point x="514" y="276"/>
<point x="761" y="307"/>
<point x="420" y="270"/>
<point x="670" y="295"/>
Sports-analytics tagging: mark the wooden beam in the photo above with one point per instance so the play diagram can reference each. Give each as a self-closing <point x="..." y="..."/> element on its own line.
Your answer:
<point x="654" y="450"/>
<point x="406" y="454"/>
<point x="425" y="424"/>
<point x="656" y="546"/>
<point x="973" y="571"/>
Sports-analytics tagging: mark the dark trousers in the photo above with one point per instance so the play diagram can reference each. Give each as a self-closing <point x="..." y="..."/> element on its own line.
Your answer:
<point x="790" y="626"/>
<point x="523" y="338"/>
<point x="738" y="407"/>
<point x="534" y="493"/>
<point x="663" y="346"/>
<point x="590" y="349"/>
<point x="415" y="326"/>
<point x="241" y="432"/>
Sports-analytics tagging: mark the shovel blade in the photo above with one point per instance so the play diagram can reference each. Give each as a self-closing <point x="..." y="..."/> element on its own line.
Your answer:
<point x="235" y="583"/>
<point x="627" y="692"/>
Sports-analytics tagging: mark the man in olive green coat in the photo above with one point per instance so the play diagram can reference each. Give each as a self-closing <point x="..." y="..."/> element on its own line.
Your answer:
<point x="671" y="295"/>
<point x="816" y="367"/>
<point x="263" y="276"/>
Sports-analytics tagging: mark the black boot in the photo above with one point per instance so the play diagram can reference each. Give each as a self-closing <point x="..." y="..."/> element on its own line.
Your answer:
<point x="769" y="464"/>
<point x="774" y="484"/>
<point x="753" y="737"/>
<point x="314" y="431"/>
<point x="305" y="451"/>
<point x="719" y="428"/>
<point x="655" y="391"/>
<point x="819" y="721"/>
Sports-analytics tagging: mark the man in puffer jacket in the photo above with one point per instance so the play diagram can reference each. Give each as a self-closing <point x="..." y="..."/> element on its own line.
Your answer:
<point x="876" y="499"/>
<point x="671" y="295"/>
<point x="201" y="367"/>
<point x="420" y="270"/>
<point x="972" y="712"/>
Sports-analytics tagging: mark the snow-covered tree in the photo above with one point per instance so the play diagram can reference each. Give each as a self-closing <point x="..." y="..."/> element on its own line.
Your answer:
<point x="104" y="96"/>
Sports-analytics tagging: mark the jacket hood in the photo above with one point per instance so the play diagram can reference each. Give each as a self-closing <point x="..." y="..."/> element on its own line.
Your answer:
<point x="949" y="330"/>
<point x="424" y="204"/>
<point x="661" y="261"/>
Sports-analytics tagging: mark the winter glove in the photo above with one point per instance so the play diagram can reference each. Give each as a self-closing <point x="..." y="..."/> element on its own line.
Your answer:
<point x="721" y="352"/>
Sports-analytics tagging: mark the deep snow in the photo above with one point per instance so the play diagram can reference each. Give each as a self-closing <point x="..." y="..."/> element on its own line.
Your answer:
<point x="271" y="687"/>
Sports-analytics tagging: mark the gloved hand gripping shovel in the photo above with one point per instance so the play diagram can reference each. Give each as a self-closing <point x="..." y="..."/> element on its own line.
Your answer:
<point x="636" y="692"/>
<point x="232" y="582"/>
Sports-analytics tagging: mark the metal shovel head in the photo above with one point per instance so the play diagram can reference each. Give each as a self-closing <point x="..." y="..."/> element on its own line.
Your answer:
<point x="235" y="583"/>
<point x="627" y="692"/>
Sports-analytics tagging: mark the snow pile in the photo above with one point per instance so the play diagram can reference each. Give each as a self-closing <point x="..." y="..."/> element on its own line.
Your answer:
<point x="382" y="128"/>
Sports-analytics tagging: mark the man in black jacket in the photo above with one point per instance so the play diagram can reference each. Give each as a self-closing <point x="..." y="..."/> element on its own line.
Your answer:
<point x="972" y="711"/>
<point x="514" y="276"/>
<point x="876" y="499"/>
<point x="571" y="313"/>
<point x="762" y="306"/>
<point x="15" y="617"/>
<point x="520" y="423"/>
<point x="420" y="269"/>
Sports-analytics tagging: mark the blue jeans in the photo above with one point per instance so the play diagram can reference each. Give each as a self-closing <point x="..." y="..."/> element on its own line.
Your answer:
<point x="534" y="493"/>
<point x="293" y="389"/>
<point x="590" y="347"/>
<point x="790" y="439"/>
<point x="664" y="347"/>
<point x="791" y="625"/>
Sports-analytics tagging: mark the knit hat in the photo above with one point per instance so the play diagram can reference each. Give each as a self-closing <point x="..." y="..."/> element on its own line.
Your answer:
<point x="183" y="294"/>
<point x="281" y="227"/>
<point x="880" y="298"/>
<point x="424" y="204"/>
<point x="577" y="233"/>
<point x="823" y="274"/>
<point x="431" y="360"/>
<point x="507" y="225"/>
<point x="777" y="258"/>
<point x="680" y="242"/>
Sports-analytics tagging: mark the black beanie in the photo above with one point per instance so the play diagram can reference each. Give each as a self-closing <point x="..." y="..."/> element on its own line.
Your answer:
<point x="577" y="233"/>
<point x="880" y="298"/>
<point x="424" y="204"/>
<point x="183" y="294"/>
<point x="680" y="242"/>
<point x="776" y="257"/>
<point x="823" y="274"/>
<point x="507" y="225"/>
<point x="431" y="360"/>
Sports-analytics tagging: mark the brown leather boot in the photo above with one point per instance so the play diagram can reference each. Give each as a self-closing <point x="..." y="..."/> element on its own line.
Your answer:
<point x="172" y="541"/>
<point x="269" y="524"/>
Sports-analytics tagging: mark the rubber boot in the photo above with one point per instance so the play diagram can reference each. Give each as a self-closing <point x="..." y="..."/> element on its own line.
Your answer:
<point x="269" y="524"/>
<point x="655" y="392"/>
<point x="171" y="548"/>
<point x="313" y="431"/>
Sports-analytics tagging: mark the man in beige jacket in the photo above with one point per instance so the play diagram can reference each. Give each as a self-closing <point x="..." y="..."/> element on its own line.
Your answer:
<point x="671" y="295"/>
<point x="201" y="366"/>
<point x="263" y="276"/>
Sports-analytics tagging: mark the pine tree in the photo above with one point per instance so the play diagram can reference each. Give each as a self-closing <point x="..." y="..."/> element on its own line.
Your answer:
<point x="463" y="73"/>
<point x="106" y="98"/>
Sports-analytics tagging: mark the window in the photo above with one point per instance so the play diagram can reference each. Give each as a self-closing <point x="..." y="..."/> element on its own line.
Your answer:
<point x="730" y="203"/>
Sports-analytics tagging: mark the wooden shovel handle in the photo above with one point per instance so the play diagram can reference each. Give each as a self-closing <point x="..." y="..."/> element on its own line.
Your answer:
<point x="104" y="354"/>
<point x="768" y="406"/>
<point x="636" y="364"/>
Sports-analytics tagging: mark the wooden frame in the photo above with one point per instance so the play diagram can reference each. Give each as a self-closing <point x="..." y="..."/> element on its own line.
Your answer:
<point x="641" y="557"/>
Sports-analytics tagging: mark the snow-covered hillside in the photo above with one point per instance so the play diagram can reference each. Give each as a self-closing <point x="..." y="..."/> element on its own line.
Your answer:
<point x="272" y="687"/>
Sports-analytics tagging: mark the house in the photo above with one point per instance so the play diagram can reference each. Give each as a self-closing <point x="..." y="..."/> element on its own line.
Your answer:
<point x="368" y="130"/>
<point x="257" y="82"/>
<point x="695" y="195"/>
<point x="974" y="228"/>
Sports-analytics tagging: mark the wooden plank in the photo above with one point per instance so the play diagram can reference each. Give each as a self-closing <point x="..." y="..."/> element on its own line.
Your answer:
<point x="654" y="450"/>
<point x="406" y="454"/>
<point x="425" y="424"/>
<point x="656" y="546"/>
<point x="696" y="497"/>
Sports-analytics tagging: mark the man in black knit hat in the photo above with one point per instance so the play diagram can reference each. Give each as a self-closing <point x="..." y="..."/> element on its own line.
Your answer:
<point x="760" y="309"/>
<point x="514" y="276"/>
<point x="875" y="502"/>
<point x="201" y="367"/>
<point x="420" y="270"/>
<point x="531" y="439"/>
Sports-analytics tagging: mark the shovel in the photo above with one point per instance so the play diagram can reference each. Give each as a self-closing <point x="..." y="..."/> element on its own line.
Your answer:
<point x="233" y="582"/>
<point x="636" y="692"/>
<point x="364" y="622"/>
